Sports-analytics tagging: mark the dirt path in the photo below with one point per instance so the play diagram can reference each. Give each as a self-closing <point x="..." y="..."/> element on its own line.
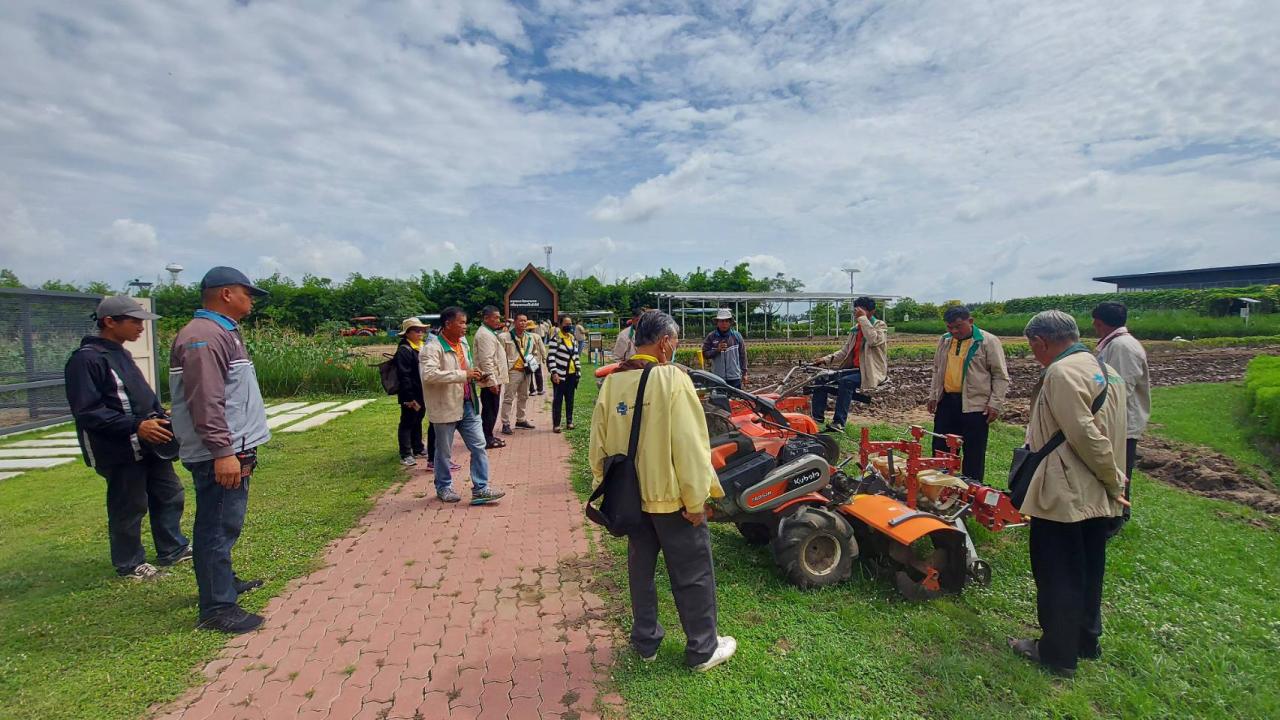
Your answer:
<point x="428" y="610"/>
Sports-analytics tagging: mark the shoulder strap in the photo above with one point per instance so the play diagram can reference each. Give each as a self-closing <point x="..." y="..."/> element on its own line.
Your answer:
<point x="634" y="443"/>
<point x="1106" y="381"/>
<point x="1058" y="437"/>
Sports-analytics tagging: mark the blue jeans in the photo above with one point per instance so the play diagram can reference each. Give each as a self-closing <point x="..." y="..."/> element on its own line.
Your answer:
<point x="473" y="437"/>
<point x="847" y="384"/>
<point x="219" y="519"/>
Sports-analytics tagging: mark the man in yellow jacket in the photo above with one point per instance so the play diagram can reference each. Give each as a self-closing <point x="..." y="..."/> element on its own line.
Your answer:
<point x="970" y="381"/>
<point x="1075" y="492"/>
<point x="673" y="462"/>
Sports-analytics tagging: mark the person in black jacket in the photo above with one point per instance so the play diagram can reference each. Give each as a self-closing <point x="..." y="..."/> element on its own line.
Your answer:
<point x="565" y="366"/>
<point x="412" y="409"/>
<point x="120" y="422"/>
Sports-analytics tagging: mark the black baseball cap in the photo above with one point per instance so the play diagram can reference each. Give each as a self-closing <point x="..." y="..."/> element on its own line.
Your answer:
<point x="222" y="276"/>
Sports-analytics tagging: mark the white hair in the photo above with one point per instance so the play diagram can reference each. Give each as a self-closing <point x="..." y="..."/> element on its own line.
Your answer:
<point x="1053" y="326"/>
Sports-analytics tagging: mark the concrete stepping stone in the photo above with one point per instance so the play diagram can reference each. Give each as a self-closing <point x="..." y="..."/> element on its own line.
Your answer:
<point x="285" y="407"/>
<point x="7" y="475"/>
<point x="39" y="452"/>
<point x="314" y="421"/>
<point x="69" y="434"/>
<point x="316" y="407"/>
<point x="55" y="442"/>
<point x="285" y="419"/>
<point x="353" y="405"/>
<point x="32" y="463"/>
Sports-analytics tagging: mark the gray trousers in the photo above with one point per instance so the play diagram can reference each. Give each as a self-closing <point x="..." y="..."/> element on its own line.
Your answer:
<point x="687" y="551"/>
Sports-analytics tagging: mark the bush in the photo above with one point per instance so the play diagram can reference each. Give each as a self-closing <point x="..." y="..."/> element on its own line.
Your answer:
<point x="1145" y="325"/>
<point x="289" y="363"/>
<point x="1262" y="383"/>
<point x="1216" y="301"/>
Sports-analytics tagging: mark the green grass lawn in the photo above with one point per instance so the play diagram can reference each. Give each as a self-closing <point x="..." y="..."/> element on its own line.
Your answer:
<point x="1192" y="627"/>
<point x="1214" y="415"/>
<point x="76" y="642"/>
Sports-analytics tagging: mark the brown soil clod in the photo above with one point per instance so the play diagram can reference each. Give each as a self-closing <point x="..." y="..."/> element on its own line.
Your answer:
<point x="1207" y="473"/>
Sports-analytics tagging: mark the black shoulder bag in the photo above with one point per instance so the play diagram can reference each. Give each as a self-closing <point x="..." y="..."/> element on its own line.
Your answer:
<point x="621" y="509"/>
<point x="1025" y="462"/>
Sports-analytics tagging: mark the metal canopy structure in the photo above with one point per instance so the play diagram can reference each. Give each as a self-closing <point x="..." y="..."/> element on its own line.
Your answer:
<point x="739" y="301"/>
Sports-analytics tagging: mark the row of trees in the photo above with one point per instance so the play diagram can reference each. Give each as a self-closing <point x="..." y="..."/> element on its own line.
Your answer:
<point x="318" y="303"/>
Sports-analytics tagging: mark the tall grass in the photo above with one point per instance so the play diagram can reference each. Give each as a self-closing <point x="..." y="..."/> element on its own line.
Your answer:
<point x="290" y="363"/>
<point x="1145" y="324"/>
<point x="1262" y="383"/>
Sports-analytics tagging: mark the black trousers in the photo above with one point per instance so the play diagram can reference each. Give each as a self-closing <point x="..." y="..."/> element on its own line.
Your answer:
<point x="1131" y="457"/>
<point x="490" y="405"/>
<point x="431" y="443"/>
<point x="133" y="490"/>
<point x="951" y="420"/>
<point x="562" y="395"/>
<point x="536" y="382"/>
<point x="687" y="551"/>
<point x="1068" y="561"/>
<point x="410" y="431"/>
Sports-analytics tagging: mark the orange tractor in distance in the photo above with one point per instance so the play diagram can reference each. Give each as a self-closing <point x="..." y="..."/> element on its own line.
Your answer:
<point x="363" y="326"/>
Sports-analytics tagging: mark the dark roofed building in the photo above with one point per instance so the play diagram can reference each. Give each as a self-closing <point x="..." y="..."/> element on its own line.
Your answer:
<point x="1219" y="277"/>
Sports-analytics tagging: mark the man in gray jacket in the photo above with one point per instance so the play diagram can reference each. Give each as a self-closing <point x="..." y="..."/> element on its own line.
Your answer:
<point x="726" y="350"/>
<point x="1122" y="351"/>
<point x="220" y="420"/>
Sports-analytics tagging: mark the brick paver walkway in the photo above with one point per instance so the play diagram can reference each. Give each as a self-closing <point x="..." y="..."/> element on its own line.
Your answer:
<point x="433" y="611"/>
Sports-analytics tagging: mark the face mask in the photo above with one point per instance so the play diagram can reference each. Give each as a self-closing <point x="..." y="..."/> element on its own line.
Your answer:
<point x="566" y="328"/>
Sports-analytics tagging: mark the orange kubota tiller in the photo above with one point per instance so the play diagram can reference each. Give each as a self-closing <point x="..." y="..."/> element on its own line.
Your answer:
<point x="902" y="513"/>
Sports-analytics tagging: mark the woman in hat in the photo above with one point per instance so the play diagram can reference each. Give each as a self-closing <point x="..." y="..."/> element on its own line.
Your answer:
<point x="412" y="409"/>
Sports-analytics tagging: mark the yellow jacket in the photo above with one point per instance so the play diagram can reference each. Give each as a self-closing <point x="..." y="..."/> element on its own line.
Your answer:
<point x="1082" y="477"/>
<point x="674" y="455"/>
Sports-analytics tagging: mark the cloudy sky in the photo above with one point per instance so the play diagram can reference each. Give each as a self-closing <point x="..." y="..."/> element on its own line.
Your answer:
<point x="937" y="145"/>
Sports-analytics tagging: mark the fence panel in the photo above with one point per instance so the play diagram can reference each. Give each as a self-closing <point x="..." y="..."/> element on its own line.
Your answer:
<point x="39" y="330"/>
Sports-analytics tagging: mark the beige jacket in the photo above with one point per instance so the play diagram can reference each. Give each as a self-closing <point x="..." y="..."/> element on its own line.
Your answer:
<point x="875" y="353"/>
<point x="491" y="357"/>
<point x="986" y="377"/>
<point x="513" y="350"/>
<point x="1082" y="477"/>
<point x="444" y="381"/>
<point x="672" y="461"/>
<point x="540" y="350"/>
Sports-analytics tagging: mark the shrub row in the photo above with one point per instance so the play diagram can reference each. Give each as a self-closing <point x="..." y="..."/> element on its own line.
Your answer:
<point x="1262" y="383"/>
<point x="1148" y="325"/>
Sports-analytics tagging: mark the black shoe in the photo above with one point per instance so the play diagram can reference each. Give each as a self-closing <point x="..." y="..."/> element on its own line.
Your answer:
<point x="245" y="586"/>
<point x="506" y="430"/>
<point x="184" y="556"/>
<point x="524" y="425"/>
<point x="234" y="620"/>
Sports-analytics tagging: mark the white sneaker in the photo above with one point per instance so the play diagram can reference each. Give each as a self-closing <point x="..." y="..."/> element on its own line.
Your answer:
<point x="145" y="571"/>
<point x="408" y="461"/>
<point x="725" y="648"/>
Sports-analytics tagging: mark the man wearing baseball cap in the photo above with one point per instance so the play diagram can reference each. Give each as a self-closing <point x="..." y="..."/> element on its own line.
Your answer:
<point x="219" y="417"/>
<point x="726" y="350"/>
<point x="122" y="429"/>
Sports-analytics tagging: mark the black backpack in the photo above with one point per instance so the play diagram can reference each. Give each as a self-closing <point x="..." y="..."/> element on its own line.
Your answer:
<point x="387" y="372"/>
<point x="621" y="510"/>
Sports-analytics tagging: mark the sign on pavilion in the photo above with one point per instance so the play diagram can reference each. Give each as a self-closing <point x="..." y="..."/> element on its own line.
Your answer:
<point x="532" y="295"/>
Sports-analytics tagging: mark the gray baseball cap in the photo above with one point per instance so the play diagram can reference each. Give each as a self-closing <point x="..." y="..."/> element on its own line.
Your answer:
<point x="222" y="276"/>
<point x="117" y="305"/>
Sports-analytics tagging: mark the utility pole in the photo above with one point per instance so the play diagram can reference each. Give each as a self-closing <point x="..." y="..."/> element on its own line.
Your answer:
<point x="547" y="249"/>
<point x="993" y="292"/>
<point x="851" y="271"/>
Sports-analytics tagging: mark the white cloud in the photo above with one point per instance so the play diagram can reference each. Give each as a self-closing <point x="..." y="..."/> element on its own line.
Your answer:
<point x="944" y="144"/>
<point x="649" y="197"/>
<point x="765" y="265"/>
